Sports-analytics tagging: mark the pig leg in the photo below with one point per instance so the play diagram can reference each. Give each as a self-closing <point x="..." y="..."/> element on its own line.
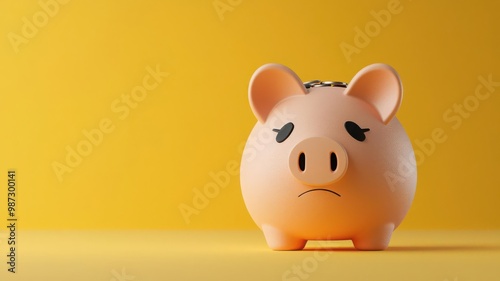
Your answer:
<point x="278" y="240"/>
<point x="374" y="240"/>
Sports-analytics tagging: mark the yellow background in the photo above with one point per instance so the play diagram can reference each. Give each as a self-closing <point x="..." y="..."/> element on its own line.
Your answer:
<point x="65" y="79"/>
<point x="82" y="255"/>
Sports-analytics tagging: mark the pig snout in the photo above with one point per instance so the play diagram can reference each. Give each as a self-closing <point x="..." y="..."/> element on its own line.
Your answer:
<point x="318" y="161"/>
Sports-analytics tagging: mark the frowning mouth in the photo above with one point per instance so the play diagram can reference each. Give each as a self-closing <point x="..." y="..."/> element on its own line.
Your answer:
<point x="320" y="189"/>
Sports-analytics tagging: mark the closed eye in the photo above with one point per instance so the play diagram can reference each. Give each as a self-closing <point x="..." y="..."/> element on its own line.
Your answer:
<point x="284" y="132"/>
<point x="356" y="131"/>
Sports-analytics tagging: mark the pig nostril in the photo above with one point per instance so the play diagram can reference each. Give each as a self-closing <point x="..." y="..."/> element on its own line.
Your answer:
<point x="333" y="162"/>
<point x="302" y="162"/>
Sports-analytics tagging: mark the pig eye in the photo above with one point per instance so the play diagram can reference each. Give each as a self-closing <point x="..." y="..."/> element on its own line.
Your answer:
<point x="355" y="130"/>
<point x="284" y="132"/>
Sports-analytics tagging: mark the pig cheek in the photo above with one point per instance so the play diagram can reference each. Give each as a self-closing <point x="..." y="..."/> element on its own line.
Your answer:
<point x="269" y="190"/>
<point x="367" y="188"/>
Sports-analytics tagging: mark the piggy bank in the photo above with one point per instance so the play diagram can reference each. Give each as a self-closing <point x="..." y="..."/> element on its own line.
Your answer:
<point x="327" y="160"/>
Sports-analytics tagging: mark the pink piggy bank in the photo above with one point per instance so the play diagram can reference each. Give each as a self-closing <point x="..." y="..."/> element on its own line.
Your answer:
<point x="327" y="161"/>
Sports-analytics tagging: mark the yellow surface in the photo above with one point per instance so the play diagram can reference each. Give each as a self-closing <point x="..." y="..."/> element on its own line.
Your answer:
<point x="243" y="255"/>
<point x="73" y="70"/>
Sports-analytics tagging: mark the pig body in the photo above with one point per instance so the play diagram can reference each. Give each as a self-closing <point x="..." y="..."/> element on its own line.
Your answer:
<point x="328" y="163"/>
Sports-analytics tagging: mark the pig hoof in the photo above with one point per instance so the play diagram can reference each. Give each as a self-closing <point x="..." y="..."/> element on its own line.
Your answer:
<point x="280" y="241"/>
<point x="374" y="241"/>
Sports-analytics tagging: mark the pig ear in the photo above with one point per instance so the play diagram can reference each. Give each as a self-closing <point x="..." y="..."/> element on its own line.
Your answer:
<point x="270" y="84"/>
<point x="378" y="85"/>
